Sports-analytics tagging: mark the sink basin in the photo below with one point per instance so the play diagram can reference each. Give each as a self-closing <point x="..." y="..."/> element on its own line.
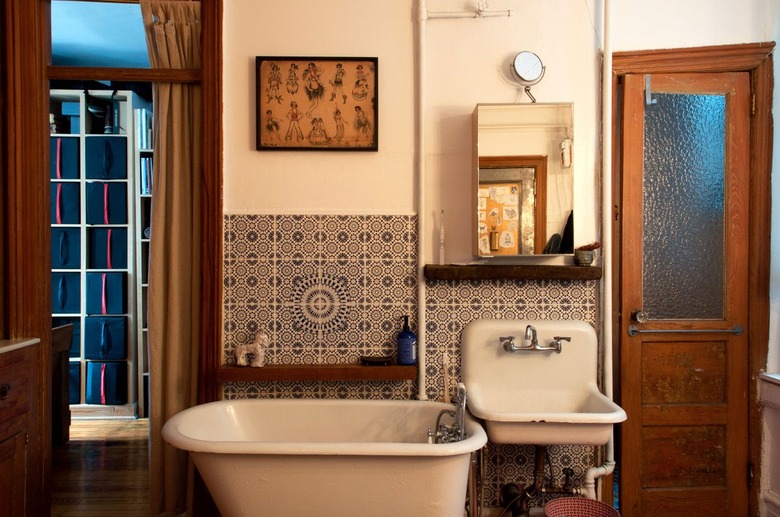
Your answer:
<point x="532" y="396"/>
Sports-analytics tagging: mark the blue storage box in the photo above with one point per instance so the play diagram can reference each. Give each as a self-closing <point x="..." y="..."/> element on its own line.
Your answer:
<point x="106" y="157"/>
<point x="64" y="203"/>
<point x="65" y="248"/>
<point x="64" y="157"/>
<point x="106" y="203"/>
<point x="66" y="293"/>
<point x="106" y="383"/>
<point x="104" y="244"/>
<point x="105" y="337"/>
<point x="71" y="108"/>
<point x="74" y="372"/>
<point x="75" y="339"/>
<point x="106" y="293"/>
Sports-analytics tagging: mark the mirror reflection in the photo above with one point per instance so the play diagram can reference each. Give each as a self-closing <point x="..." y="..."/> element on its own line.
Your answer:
<point x="523" y="194"/>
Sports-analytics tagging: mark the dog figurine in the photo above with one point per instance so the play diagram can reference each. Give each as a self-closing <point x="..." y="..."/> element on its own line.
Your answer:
<point x="255" y="351"/>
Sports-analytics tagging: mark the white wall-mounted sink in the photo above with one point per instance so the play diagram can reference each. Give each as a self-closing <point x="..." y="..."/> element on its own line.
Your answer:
<point x="537" y="397"/>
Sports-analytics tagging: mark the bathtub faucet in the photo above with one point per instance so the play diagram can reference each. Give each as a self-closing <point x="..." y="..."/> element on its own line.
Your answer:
<point x="460" y="413"/>
<point x="456" y="431"/>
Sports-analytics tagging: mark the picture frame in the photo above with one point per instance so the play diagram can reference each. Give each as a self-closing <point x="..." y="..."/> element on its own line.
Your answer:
<point x="317" y="103"/>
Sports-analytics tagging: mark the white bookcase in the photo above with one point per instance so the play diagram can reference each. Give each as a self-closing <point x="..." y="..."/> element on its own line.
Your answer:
<point x="99" y="252"/>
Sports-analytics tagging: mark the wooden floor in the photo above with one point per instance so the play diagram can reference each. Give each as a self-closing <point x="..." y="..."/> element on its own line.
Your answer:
<point x="103" y="470"/>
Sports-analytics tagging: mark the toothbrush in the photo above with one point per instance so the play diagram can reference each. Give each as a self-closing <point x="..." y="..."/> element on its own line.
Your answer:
<point x="441" y="240"/>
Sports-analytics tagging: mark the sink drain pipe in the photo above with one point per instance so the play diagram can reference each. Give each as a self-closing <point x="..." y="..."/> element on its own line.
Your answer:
<point x="589" y="483"/>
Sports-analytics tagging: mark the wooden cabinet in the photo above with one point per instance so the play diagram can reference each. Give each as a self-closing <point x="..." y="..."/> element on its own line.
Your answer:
<point x="16" y="395"/>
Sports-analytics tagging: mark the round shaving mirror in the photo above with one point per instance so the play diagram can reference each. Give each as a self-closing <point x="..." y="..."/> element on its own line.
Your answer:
<point x="527" y="69"/>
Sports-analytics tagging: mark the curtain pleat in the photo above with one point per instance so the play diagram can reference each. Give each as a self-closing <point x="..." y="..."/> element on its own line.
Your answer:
<point x="173" y="40"/>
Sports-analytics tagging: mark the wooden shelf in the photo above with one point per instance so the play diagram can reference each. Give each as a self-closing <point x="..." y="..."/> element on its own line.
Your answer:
<point x="511" y="272"/>
<point x="317" y="372"/>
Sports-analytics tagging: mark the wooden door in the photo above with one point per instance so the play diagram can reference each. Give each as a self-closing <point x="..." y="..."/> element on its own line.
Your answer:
<point x="683" y="287"/>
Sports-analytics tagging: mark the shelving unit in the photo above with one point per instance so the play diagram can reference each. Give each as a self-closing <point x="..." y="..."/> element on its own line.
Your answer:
<point x="316" y="372"/>
<point x="510" y="272"/>
<point x="97" y="247"/>
<point x="144" y="163"/>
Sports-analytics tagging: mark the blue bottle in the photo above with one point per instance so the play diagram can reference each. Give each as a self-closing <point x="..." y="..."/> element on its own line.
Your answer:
<point x="407" y="345"/>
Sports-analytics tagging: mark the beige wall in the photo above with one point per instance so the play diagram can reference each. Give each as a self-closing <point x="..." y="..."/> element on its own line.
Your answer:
<point x="466" y="63"/>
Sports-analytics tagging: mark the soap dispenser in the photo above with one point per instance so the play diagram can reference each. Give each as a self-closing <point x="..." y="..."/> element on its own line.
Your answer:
<point x="407" y="345"/>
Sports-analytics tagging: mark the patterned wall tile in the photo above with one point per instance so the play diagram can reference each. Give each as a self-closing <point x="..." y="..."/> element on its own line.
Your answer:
<point x="329" y="288"/>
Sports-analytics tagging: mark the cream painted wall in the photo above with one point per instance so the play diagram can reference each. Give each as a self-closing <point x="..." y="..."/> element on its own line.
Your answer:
<point x="467" y="62"/>
<point x="319" y="182"/>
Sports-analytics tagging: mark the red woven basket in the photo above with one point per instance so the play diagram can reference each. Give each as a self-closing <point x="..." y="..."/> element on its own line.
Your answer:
<point x="578" y="507"/>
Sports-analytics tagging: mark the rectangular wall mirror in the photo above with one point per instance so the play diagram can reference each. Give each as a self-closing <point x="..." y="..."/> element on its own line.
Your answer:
<point x="523" y="195"/>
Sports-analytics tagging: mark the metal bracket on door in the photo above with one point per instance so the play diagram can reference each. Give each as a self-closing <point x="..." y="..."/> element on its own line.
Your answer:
<point x="633" y="330"/>
<point x="649" y="100"/>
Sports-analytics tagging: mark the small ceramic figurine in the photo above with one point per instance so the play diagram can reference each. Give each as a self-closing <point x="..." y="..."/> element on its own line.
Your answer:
<point x="255" y="350"/>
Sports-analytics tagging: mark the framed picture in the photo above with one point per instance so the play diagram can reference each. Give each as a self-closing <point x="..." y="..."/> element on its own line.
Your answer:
<point x="317" y="103"/>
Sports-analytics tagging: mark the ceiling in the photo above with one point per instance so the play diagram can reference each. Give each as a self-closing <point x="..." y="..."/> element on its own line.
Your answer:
<point x="103" y="34"/>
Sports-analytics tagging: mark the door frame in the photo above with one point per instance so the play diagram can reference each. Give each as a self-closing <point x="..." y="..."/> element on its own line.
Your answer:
<point x="25" y="291"/>
<point x="754" y="58"/>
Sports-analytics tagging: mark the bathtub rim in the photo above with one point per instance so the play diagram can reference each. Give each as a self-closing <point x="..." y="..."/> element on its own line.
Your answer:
<point x="173" y="433"/>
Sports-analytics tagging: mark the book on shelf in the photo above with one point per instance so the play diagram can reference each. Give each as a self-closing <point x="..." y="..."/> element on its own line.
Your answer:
<point x="146" y="175"/>
<point x="143" y="128"/>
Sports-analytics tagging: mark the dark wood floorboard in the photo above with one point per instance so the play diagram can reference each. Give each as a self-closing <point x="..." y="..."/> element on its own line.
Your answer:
<point x="103" y="470"/>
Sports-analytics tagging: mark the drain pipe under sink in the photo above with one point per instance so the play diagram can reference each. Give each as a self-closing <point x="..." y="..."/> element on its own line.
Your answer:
<point x="589" y="484"/>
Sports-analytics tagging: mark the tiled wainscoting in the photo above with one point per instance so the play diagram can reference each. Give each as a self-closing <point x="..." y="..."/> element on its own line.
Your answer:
<point x="330" y="288"/>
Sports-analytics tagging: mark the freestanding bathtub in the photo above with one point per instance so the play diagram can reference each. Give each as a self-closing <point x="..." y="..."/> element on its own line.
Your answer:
<point x="302" y="457"/>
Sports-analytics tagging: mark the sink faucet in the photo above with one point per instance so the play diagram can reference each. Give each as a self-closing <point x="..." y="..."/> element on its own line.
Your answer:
<point x="530" y="333"/>
<point x="509" y="345"/>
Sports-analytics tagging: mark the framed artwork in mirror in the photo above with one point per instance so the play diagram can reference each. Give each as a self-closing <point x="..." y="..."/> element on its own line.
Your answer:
<point x="317" y="103"/>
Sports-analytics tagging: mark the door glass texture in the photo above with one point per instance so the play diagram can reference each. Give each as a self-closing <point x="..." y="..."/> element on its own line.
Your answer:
<point x="683" y="227"/>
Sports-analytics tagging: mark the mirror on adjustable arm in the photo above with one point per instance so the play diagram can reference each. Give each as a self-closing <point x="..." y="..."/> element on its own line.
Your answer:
<point x="523" y="184"/>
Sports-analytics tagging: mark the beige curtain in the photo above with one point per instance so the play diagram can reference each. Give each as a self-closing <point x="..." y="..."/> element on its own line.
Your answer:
<point x="173" y="39"/>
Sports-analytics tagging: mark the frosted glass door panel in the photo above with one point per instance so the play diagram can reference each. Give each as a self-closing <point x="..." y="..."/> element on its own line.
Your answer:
<point x="683" y="228"/>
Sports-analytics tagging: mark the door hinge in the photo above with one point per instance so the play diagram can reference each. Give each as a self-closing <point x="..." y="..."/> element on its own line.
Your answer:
<point x="752" y="104"/>
<point x="750" y="475"/>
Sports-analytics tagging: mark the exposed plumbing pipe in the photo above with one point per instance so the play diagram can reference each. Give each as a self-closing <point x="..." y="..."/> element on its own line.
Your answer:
<point x="422" y="16"/>
<point x="589" y="484"/>
<point x="480" y="13"/>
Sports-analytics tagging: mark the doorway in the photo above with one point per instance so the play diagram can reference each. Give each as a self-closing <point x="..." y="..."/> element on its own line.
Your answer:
<point x="690" y="214"/>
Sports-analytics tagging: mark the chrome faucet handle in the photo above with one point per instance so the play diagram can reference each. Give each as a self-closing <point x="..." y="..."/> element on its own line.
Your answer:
<point x="510" y="346"/>
<point x="508" y="342"/>
<point x="555" y="345"/>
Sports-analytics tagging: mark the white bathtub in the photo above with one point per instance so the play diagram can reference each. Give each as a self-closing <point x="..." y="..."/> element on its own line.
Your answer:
<point x="320" y="458"/>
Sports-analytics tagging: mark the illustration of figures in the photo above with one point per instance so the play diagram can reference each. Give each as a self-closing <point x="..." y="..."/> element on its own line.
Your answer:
<point x="339" y="136"/>
<point x="274" y="84"/>
<point x="338" y="84"/>
<point x="312" y="86"/>
<point x="272" y="128"/>
<point x="360" y="91"/>
<point x="361" y="125"/>
<point x="294" y="128"/>
<point x="317" y="135"/>
<point x="292" y="79"/>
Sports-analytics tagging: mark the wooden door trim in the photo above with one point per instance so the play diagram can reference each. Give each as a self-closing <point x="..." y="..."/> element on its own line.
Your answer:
<point x="25" y="292"/>
<point x="754" y="58"/>
<point x="25" y="226"/>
